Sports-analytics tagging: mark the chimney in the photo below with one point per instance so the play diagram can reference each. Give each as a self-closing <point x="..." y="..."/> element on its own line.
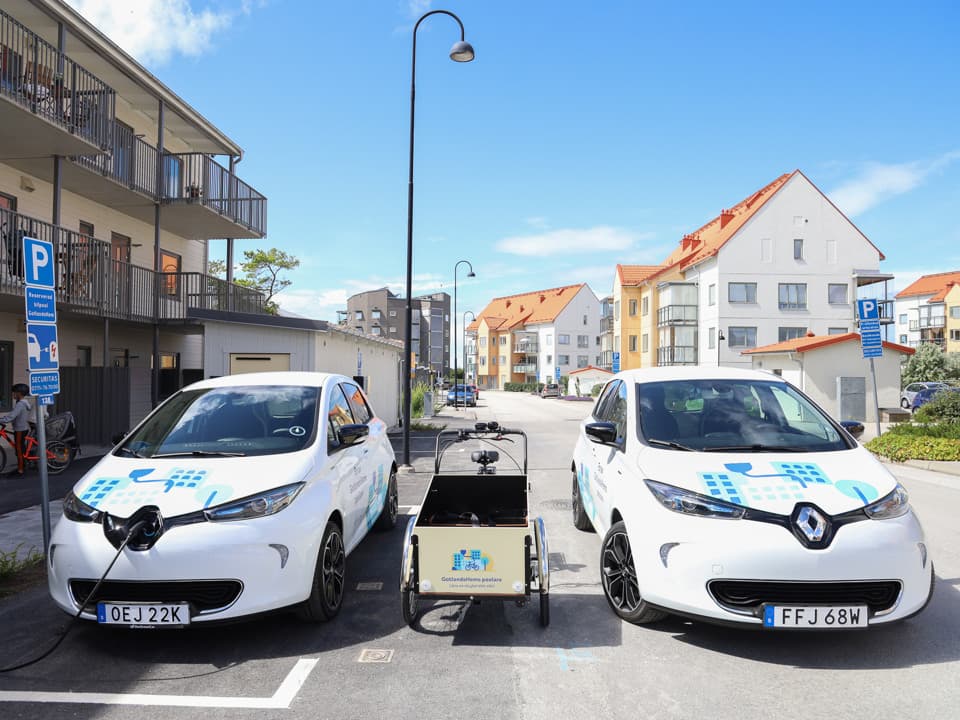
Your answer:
<point x="508" y="303"/>
<point x="725" y="217"/>
<point x="542" y="297"/>
<point x="689" y="241"/>
<point x="810" y="333"/>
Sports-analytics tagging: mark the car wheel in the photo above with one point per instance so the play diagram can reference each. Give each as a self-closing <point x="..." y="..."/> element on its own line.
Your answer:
<point x="619" y="578"/>
<point x="409" y="607"/>
<point x="580" y="519"/>
<point x="391" y="505"/>
<point x="905" y="404"/>
<point x="326" y="591"/>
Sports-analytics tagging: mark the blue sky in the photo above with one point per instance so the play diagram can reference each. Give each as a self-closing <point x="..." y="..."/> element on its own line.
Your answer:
<point x="583" y="135"/>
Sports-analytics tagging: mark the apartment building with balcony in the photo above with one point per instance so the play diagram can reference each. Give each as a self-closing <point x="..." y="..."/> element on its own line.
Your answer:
<point x="382" y="313"/>
<point x="528" y="337"/>
<point x="606" y="333"/>
<point x="128" y="182"/>
<point x="928" y="311"/>
<point x="783" y="262"/>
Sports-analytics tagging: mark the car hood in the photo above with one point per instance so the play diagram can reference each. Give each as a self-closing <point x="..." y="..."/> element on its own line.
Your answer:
<point x="122" y="485"/>
<point x="836" y="482"/>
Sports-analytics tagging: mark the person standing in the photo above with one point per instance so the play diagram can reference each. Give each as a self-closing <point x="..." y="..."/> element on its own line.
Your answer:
<point x="20" y="418"/>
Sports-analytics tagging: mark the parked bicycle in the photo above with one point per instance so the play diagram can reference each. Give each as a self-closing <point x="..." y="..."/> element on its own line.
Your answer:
<point x="59" y="454"/>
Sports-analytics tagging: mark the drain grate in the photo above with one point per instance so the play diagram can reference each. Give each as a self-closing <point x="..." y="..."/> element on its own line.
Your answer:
<point x="375" y="656"/>
<point x="556" y="505"/>
<point x="370" y="586"/>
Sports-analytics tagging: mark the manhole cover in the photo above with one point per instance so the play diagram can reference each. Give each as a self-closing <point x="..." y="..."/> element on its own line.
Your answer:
<point x="375" y="656"/>
<point x="556" y="504"/>
<point x="369" y="586"/>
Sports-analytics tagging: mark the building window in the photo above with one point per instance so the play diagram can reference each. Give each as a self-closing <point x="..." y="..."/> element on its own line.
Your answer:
<point x="563" y="359"/>
<point x="954" y="313"/>
<point x="493" y="360"/>
<point x="483" y="361"/>
<point x="585" y="320"/>
<point x="616" y="309"/>
<point x="793" y="296"/>
<point x="376" y="315"/>
<point x="358" y="315"/>
<point x="712" y="294"/>
<point x="84" y="356"/>
<point x="954" y="334"/>
<point x="503" y="359"/>
<point x="375" y="330"/>
<point x="903" y="339"/>
<point x="903" y="318"/>
<point x="583" y="361"/>
<point x="483" y="342"/>
<point x="797" y="249"/>
<point x="742" y="292"/>
<point x="549" y="359"/>
<point x="645" y="343"/>
<point x="633" y="308"/>
<point x="711" y="338"/>
<point x="837" y="331"/>
<point x="633" y="343"/>
<point x="790" y="333"/>
<point x="563" y="339"/>
<point x="393" y="328"/>
<point x="645" y="306"/>
<point x="170" y="266"/>
<point x="503" y="339"/>
<point x="742" y="337"/>
<point x="549" y="339"/>
<point x="837" y="293"/>
<point x="583" y="341"/>
<point x="598" y="341"/>
<point x="358" y="328"/>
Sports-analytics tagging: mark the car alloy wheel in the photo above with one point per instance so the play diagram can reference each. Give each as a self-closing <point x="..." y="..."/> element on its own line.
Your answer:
<point x="391" y="505"/>
<point x="619" y="578"/>
<point x="333" y="566"/>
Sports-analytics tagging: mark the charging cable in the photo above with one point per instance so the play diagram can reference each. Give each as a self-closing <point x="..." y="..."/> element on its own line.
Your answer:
<point x="134" y="529"/>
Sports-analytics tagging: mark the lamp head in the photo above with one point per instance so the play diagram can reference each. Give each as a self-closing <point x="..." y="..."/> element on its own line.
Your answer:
<point x="462" y="51"/>
<point x="471" y="274"/>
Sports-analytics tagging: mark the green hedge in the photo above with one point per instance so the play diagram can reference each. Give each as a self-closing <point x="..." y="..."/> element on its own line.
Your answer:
<point x="945" y="406"/>
<point x="900" y="446"/>
<point x="522" y="387"/>
<point x="596" y="390"/>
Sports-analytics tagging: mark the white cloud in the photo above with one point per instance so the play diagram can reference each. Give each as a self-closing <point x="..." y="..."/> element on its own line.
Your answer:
<point x="586" y="241"/>
<point x="153" y="31"/>
<point x="878" y="182"/>
<point x="323" y="303"/>
<point x="416" y="8"/>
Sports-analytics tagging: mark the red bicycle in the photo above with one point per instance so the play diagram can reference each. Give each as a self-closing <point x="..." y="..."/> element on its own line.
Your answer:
<point x="59" y="453"/>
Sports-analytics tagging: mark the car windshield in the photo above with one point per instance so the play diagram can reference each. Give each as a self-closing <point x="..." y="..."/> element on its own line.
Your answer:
<point x="733" y="416"/>
<point x="228" y="422"/>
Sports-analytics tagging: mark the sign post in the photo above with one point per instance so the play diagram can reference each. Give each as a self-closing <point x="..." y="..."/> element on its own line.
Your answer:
<point x="43" y="354"/>
<point x="871" y="342"/>
<point x="616" y="362"/>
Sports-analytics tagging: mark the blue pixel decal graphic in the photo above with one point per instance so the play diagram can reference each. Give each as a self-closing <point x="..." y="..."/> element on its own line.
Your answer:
<point x="376" y="497"/>
<point x="739" y="483"/>
<point x="141" y="487"/>
<point x="586" y="497"/>
<point x="472" y="561"/>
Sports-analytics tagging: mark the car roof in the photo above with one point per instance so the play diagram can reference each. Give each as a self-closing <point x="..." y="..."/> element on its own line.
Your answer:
<point x="304" y="379"/>
<point x="694" y="372"/>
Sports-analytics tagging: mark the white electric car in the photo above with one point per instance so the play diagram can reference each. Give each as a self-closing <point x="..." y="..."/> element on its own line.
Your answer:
<point x="236" y="496"/>
<point x="727" y="495"/>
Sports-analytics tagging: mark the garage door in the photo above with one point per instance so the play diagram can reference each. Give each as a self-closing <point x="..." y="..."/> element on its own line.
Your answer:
<point x="258" y="362"/>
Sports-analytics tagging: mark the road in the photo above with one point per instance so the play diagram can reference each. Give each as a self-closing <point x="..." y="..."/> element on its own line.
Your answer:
<point x="494" y="660"/>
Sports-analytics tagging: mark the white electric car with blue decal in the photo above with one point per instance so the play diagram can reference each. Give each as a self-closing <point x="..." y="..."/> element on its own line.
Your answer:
<point x="729" y="496"/>
<point x="238" y="495"/>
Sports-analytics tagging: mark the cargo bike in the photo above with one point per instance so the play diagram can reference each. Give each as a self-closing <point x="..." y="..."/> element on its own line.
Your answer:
<point x="473" y="537"/>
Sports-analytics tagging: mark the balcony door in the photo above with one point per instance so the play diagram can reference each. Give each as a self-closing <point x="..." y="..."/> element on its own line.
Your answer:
<point x="120" y="275"/>
<point x="8" y="234"/>
<point x="123" y="139"/>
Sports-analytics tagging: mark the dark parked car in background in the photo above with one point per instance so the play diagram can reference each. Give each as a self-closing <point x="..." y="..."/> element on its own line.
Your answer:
<point x="910" y="391"/>
<point x="922" y="397"/>
<point x="461" y="395"/>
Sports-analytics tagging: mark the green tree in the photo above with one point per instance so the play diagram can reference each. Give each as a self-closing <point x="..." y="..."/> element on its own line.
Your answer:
<point x="928" y="363"/>
<point x="262" y="271"/>
<point x="953" y="367"/>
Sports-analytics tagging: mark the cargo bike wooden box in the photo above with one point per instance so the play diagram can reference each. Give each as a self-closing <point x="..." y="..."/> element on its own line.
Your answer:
<point x="473" y="537"/>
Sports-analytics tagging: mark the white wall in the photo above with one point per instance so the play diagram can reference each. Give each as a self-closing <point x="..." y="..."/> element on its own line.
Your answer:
<point x="908" y="306"/>
<point x="798" y="210"/>
<point x="570" y="322"/>
<point x="816" y="373"/>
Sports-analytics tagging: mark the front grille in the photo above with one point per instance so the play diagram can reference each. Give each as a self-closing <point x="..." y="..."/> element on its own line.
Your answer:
<point x="749" y="595"/>
<point x="201" y="594"/>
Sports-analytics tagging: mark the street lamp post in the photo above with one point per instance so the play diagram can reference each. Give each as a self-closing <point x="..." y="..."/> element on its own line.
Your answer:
<point x="460" y="52"/>
<point x="720" y="338"/>
<point x="472" y="317"/>
<point x="469" y="275"/>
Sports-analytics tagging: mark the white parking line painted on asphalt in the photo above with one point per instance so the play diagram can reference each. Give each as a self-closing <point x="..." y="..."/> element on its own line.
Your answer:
<point x="408" y="509"/>
<point x="280" y="700"/>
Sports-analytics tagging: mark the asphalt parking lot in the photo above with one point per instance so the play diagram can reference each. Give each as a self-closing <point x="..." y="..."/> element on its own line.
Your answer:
<point x="493" y="659"/>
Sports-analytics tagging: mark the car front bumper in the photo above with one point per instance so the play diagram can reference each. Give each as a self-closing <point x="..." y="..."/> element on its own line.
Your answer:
<point x="675" y="573"/>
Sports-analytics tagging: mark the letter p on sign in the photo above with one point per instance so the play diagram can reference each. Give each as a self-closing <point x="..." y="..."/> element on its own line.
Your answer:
<point x="868" y="309"/>
<point x="38" y="261"/>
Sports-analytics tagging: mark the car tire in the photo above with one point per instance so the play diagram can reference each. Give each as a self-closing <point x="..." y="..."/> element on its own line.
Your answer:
<point x="387" y="519"/>
<point x="619" y="579"/>
<point x="905" y="404"/>
<point x="409" y="607"/>
<point x="581" y="521"/>
<point x="329" y="581"/>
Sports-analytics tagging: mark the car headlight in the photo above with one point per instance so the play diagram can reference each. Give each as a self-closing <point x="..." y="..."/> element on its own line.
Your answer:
<point x="691" y="503"/>
<point x="77" y="510"/>
<point x="260" y="505"/>
<point x="890" y="506"/>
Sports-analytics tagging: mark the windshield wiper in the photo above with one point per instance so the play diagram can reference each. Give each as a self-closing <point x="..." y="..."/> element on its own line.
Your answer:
<point x="670" y="444"/>
<point x="130" y="451"/>
<point x="756" y="448"/>
<point x="200" y="453"/>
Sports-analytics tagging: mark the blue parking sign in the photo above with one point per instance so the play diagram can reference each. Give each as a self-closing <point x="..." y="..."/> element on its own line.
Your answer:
<point x="38" y="263"/>
<point x="42" y="350"/>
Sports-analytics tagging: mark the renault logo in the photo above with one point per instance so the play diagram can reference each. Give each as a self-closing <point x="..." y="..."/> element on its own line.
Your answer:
<point x="811" y="523"/>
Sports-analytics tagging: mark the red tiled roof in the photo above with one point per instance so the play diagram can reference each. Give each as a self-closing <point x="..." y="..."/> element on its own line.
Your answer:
<point x="815" y="342"/>
<point x="938" y="285"/>
<point x="589" y="367"/>
<point x="539" y="306"/>
<point x="635" y="274"/>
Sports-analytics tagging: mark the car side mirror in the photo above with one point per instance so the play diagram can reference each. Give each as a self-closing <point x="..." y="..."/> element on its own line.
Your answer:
<point x="352" y="434"/>
<point x="604" y="433"/>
